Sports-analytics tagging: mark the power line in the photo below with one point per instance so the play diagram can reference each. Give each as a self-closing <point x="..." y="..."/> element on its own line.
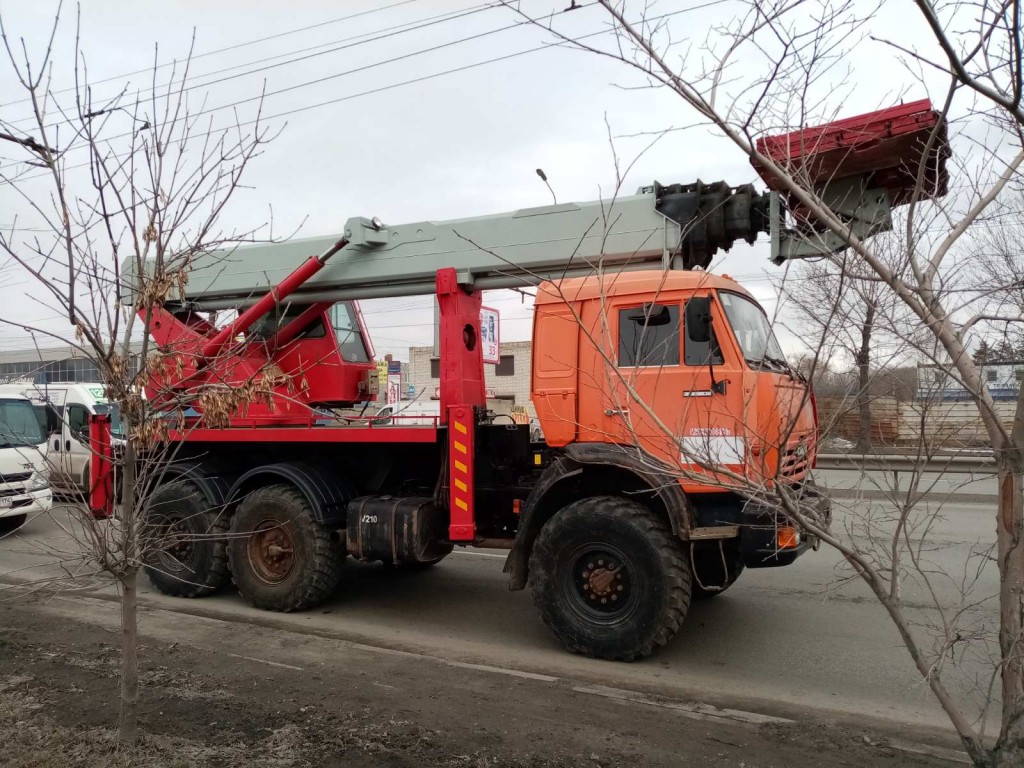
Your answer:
<point x="228" y="48"/>
<point x="382" y="34"/>
<point x="381" y="89"/>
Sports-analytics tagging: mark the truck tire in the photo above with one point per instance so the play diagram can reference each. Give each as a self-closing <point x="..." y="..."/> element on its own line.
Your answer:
<point x="185" y="547"/>
<point x="712" y="576"/>
<point x="281" y="558"/>
<point x="609" y="578"/>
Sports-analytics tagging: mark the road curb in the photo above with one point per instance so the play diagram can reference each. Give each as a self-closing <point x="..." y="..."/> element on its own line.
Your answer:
<point x="690" y="709"/>
<point x="877" y="495"/>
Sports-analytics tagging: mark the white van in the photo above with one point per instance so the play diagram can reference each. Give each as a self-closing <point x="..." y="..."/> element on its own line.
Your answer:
<point x="67" y="424"/>
<point x="409" y="413"/>
<point x="24" y="474"/>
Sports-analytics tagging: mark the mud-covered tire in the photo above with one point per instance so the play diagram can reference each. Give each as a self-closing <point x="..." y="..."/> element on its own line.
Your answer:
<point x="609" y="578"/>
<point x="11" y="523"/>
<point x="184" y="541"/>
<point x="281" y="558"/>
<point x="711" y="577"/>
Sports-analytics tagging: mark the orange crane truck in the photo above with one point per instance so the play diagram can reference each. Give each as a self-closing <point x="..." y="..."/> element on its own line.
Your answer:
<point x="661" y="391"/>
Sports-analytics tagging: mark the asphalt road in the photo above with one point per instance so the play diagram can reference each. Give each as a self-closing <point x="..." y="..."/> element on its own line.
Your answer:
<point x="792" y="641"/>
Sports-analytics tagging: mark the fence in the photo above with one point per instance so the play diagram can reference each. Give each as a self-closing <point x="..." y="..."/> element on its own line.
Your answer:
<point x="946" y="424"/>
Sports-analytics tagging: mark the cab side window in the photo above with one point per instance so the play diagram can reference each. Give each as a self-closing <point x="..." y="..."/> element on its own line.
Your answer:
<point x="78" y="419"/>
<point x="649" y="336"/>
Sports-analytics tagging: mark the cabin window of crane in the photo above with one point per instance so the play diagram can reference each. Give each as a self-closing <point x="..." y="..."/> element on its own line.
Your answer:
<point x="349" y="333"/>
<point x="649" y="336"/>
<point x="274" y="321"/>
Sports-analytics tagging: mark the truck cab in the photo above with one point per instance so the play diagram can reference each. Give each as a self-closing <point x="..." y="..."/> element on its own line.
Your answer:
<point x="68" y="407"/>
<point x="24" y="474"/>
<point x="681" y="365"/>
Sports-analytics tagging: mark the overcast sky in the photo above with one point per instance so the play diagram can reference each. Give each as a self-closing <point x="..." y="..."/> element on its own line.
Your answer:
<point x="450" y="146"/>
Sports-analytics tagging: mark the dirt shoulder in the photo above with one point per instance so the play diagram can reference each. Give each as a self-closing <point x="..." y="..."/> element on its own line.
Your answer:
<point x="224" y="694"/>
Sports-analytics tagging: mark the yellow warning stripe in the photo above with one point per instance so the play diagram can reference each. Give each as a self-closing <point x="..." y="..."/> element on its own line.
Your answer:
<point x="461" y="504"/>
<point x="460" y="447"/>
<point x="461" y="467"/>
<point x="460" y="427"/>
<point x="461" y="485"/>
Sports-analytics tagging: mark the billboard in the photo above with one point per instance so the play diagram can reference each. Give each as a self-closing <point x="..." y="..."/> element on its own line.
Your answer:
<point x="394" y="388"/>
<point x="490" y="335"/>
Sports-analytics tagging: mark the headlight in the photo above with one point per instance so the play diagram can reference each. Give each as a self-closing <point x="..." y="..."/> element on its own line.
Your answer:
<point x="39" y="481"/>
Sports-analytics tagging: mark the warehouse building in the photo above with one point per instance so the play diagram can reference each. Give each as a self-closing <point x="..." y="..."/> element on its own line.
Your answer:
<point x="509" y="380"/>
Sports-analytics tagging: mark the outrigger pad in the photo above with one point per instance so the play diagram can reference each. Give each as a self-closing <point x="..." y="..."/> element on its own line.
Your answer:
<point x="884" y="149"/>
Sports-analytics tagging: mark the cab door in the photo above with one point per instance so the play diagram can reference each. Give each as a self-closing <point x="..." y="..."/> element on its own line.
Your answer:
<point x="641" y="404"/>
<point x="632" y="374"/>
<point x="75" y="447"/>
<point x="669" y="392"/>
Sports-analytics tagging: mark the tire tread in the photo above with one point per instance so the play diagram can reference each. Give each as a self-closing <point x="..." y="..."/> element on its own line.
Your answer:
<point x="675" y="563"/>
<point x="322" y="574"/>
<point x="218" y="575"/>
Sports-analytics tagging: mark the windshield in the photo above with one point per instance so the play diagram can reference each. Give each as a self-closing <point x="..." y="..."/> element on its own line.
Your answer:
<point x="751" y="328"/>
<point x="115" y="416"/>
<point x="19" y="425"/>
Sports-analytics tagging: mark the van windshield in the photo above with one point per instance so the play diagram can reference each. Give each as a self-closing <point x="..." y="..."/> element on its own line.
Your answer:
<point x="19" y="426"/>
<point x="115" y="416"/>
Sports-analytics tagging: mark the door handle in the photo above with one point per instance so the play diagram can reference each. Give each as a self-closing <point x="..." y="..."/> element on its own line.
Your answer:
<point x="616" y="412"/>
<point x="67" y="446"/>
<point x="56" y="444"/>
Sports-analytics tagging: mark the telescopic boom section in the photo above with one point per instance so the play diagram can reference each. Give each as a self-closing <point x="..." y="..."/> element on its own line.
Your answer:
<point x="674" y="226"/>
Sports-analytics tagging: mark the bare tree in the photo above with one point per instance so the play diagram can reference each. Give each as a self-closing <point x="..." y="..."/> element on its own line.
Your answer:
<point x="846" y="312"/>
<point x="132" y="179"/>
<point x="778" y="65"/>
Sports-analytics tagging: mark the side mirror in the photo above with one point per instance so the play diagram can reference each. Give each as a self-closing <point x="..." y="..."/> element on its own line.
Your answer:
<point x="698" y="319"/>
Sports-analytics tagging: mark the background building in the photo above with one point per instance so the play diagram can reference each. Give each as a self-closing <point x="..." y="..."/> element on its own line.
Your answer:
<point x="1003" y="380"/>
<point x="509" y="380"/>
<point x="50" y="366"/>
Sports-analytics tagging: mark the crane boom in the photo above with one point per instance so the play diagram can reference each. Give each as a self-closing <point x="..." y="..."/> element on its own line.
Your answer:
<point x="861" y="167"/>
<point x="677" y="226"/>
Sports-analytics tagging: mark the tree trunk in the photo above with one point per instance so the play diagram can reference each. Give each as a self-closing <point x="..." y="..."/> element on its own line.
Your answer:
<point x="128" y="716"/>
<point x="1009" y="748"/>
<point x="864" y="380"/>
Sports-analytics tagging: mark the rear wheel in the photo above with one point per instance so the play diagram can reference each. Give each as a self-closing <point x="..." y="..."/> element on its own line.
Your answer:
<point x="184" y="542"/>
<point x="715" y="569"/>
<point x="609" y="578"/>
<point x="11" y="523"/>
<point x="281" y="558"/>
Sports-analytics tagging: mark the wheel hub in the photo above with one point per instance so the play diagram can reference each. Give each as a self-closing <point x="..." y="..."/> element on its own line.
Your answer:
<point x="271" y="551"/>
<point x="601" y="583"/>
<point x="175" y="545"/>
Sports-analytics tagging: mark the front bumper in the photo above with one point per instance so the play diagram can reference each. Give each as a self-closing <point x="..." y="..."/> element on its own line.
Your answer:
<point x="27" y="503"/>
<point x="759" y="533"/>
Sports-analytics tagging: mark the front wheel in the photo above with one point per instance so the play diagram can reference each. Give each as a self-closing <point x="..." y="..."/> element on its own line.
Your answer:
<point x="281" y="558"/>
<point x="609" y="578"/>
